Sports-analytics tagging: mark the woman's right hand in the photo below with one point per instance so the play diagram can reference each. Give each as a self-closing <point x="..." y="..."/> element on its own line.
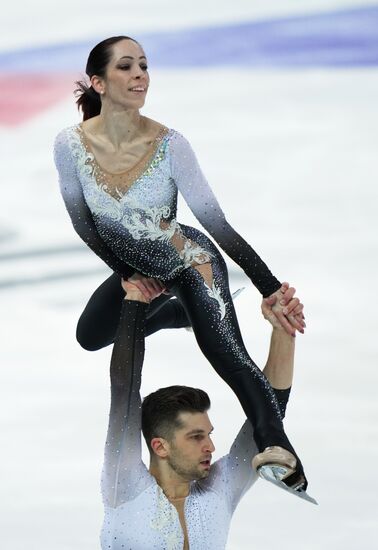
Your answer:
<point x="149" y="287"/>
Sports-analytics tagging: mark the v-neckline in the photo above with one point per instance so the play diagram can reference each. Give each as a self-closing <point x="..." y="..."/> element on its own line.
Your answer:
<point x="121" y="182"/>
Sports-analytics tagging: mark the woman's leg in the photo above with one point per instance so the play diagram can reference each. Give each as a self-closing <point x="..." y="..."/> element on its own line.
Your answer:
<point x="98" y="323"/>
<point x="204" y="293"/>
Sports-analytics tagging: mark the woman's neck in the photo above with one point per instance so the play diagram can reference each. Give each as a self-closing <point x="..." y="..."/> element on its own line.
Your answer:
<point x="123" y="126"/>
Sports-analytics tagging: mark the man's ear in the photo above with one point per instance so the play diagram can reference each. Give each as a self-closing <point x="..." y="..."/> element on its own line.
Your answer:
<point x="160" y="446"/>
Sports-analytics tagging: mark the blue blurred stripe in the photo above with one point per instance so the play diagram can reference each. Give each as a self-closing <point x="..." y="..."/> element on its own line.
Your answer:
<point x="345" y="38"/>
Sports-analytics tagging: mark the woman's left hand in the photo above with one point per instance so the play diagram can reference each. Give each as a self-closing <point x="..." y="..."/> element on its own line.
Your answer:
<point x="287" y="309"/>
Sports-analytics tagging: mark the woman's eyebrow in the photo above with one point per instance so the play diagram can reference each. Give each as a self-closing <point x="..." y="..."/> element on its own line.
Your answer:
<point x="130" y="57"/>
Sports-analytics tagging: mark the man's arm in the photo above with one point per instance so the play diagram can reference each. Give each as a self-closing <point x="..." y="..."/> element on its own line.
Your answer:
<point x="279" y="368"/>
<point x="122" y="464"/>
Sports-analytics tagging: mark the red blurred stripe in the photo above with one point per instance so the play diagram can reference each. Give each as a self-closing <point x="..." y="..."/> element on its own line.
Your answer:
<point x="23" y="96"/>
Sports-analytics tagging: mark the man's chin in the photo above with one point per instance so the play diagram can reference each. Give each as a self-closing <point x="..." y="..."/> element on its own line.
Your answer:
<point x="203" y="474"/>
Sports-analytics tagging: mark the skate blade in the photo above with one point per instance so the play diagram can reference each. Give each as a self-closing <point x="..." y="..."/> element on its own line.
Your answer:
<point x="274" y="474"/>
<point x="237" y="292"/>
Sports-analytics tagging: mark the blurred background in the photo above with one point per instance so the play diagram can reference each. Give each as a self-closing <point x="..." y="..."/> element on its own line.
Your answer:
<point x="279" y="100"/>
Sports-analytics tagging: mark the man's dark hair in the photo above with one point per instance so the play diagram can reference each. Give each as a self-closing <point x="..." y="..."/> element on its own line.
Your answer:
<point x="161" y="409"/>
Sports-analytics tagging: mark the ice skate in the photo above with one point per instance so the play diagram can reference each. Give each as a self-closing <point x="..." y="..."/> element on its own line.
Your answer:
<point x="278" y="466"/>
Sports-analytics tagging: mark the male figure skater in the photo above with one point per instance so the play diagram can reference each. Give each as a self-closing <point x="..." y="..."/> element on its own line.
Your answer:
<point x="183" y="500"/>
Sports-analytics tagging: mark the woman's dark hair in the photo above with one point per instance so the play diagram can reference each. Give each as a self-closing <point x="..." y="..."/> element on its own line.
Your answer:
<point x="160" y="410"/>
<point x="88" y="100"/>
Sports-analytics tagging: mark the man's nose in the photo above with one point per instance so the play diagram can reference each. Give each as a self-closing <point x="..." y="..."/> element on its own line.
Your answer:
<point x="210" y="446"/>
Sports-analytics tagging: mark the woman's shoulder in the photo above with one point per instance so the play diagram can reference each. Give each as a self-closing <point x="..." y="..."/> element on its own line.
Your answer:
<point x="64" y="135"/>
<point x="65" y="143"/>
<point x="178" y="143"/>
<point x="68" y="130"/>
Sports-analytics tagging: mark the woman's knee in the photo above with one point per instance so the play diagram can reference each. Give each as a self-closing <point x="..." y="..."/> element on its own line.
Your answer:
<point x="86" y="337"/>
<point x="98" y="322"/>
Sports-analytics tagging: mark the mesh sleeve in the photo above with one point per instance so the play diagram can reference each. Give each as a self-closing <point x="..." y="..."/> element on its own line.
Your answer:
<point x="238" y="462"/>
<point x="282" y="398"/>
<point x="123" y="470"/>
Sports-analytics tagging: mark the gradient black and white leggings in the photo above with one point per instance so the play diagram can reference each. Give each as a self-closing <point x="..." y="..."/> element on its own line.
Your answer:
<point x="208" y="308"/>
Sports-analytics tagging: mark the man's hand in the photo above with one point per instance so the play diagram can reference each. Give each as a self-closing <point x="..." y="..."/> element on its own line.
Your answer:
<point x="280" y="363"/>
<point x="282" y="310"/>
<point x="133" y="292"/>
<point x="149" y="287"/>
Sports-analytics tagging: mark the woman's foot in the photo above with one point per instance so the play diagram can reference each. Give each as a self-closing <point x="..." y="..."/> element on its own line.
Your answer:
<point x="276" y="463"/>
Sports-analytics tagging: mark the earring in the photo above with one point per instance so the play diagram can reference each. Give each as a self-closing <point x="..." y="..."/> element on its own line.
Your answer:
<point x="102" y="92"/>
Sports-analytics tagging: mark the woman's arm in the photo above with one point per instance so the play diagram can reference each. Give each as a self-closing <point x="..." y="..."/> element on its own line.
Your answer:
<point x="78" y="210"/>
<point x="192" y="184"/>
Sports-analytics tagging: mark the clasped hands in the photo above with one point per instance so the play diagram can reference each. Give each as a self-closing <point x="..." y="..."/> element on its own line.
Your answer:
<point x="281" y="308"/>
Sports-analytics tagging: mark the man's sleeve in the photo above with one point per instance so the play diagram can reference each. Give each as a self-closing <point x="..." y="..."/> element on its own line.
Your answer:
<point x="238" y="474"/>
<point x="124" y="470"/>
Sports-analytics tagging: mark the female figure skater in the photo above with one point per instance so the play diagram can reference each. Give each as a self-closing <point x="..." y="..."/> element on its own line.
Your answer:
<point x="120" y="174"/>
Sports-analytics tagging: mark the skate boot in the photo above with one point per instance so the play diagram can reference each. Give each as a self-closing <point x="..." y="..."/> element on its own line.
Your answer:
<point x="283" y="469"/>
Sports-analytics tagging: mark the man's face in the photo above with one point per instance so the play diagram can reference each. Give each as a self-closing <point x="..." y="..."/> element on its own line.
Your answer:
<point x="191" y="448"/>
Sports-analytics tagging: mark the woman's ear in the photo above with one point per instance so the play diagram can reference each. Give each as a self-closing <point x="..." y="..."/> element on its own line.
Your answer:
<point x="98" y="84"/>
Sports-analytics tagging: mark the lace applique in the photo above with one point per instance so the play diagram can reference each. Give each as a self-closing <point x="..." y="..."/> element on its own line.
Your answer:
<point x="146" y="223"/>
<point x="214" y="292"/>
<point x="103" y="204"/>
<point x="164" y="518"/>
<point x="84" y="158"/>
<point x="193" y="253"/>
<point x="141" y="221"/>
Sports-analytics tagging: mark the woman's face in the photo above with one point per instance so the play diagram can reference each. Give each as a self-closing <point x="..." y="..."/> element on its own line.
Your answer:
<point x="126" y="80"/>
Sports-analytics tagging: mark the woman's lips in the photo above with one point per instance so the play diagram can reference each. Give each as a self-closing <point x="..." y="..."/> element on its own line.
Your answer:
<point x="138" y="90"/>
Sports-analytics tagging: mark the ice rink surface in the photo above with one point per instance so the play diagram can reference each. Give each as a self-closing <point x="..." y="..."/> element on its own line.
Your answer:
<point x="292" y="156"/>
